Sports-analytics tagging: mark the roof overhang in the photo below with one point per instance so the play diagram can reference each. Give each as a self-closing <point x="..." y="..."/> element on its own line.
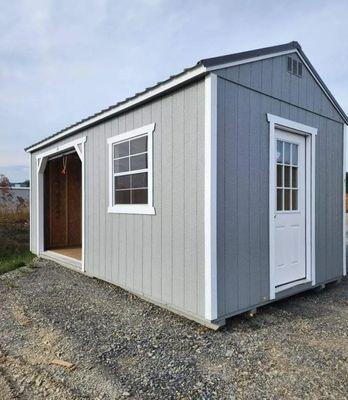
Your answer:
<point x="170" y="84"/>
<point x="201" y="69"/>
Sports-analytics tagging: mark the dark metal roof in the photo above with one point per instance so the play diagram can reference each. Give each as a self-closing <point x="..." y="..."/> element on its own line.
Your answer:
<point x="209" y="63"/>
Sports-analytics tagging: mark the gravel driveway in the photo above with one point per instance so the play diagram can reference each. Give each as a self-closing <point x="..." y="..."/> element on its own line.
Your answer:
<point x="123" y="347"/>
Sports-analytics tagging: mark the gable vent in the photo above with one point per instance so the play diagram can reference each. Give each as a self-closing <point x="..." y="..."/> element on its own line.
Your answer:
<point x="295" y="67"/>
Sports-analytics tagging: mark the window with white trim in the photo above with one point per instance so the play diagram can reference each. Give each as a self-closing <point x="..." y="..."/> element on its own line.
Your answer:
<point x="131" y="179"/>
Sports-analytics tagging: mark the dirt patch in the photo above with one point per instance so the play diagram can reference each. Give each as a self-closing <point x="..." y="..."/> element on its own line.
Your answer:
<point x="123" y="347"/>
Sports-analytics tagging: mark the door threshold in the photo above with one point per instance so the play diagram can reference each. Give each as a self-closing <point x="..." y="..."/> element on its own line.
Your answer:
<point x="62" y="259"/>
<point x="292" y="284"/>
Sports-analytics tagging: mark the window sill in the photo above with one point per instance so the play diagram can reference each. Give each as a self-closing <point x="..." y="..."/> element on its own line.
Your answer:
<point x="132" y="209"/>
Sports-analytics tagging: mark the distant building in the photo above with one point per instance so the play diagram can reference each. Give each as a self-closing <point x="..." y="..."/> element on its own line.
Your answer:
<point x="15" y="196"/>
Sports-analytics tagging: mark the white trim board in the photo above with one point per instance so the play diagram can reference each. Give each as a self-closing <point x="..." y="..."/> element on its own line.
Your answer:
<point x="30" y="205"/>
<point x="310" y="133"/>
<point x="345" y="132"/>
<point x="210" y="197"/>
<point x="61" y="258"/>
<point x="41" y="161"/>
<point x="198" y="71"/>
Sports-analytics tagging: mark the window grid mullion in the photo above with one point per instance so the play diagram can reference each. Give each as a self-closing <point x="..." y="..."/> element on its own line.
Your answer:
<point x="130" y="155"/>
<point x="131" y="188"/>
<point x="137" y="171"/>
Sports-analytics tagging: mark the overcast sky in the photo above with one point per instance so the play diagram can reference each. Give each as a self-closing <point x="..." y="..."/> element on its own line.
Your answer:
<point x="62" y="60"/>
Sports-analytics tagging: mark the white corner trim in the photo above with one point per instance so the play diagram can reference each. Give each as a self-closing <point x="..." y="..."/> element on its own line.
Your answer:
<point x="30" y="205"/>
<point x="83" y="203"/>
<point x="41" y="161"/>
<point x="146" y="209"/>
<point x="310" y="133"/>
<point x="210" y="197"/>
<point x="345" y="132"/>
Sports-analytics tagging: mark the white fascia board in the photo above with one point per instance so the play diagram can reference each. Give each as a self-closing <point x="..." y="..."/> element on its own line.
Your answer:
<point x="194" y="73"/>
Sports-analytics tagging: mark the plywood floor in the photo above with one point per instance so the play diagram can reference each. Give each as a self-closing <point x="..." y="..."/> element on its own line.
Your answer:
<point x="72" y="252"/>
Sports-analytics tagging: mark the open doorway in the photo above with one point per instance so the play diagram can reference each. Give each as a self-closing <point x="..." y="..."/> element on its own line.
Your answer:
<point x="63" y="205"/>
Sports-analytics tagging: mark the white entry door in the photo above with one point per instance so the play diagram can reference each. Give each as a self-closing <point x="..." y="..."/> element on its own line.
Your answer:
<point x="290" y="208"/>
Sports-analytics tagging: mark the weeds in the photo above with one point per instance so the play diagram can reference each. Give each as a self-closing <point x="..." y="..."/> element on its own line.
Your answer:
<point x="11" y="261"/>
<point x="9" y="216"/>
<point x="14" y="238"/>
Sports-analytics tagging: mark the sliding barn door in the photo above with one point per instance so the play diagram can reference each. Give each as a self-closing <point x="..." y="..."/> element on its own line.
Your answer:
<point x="63" y="200"/>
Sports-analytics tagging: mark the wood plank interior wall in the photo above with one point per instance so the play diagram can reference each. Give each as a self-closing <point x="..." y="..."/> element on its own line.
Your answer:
<point x="63" y="201"/>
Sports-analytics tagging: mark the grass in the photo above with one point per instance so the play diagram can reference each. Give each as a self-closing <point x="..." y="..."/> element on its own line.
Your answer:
<point x="14" y="239"/>
<point x="10" y="261"/>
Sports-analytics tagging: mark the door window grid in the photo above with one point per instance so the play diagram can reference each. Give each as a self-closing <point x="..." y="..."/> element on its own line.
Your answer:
<point x="287" y="176"/>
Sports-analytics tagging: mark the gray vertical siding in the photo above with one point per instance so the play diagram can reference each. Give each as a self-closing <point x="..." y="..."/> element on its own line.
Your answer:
<point x="160" y="257"/>
<point x="245" y="95"/>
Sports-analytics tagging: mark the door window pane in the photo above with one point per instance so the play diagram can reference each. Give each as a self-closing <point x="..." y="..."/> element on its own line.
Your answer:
<point x="279" y="176"/>
<point x="279" y="199"/>
<point x="287" y="199"/>
<point x="287" y="176"/>
<point x="294" y="154"/>
<point x="294" y="177"/>
<point x="295" y="199"/>
<point x="287" y="147"/>
<point x="279" y="151"/>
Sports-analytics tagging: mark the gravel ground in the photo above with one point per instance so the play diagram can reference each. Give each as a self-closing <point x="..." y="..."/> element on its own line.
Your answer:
<point x="123" y="347"/>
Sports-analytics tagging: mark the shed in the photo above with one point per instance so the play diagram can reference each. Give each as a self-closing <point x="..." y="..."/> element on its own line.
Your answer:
<point x="212" y="193"/>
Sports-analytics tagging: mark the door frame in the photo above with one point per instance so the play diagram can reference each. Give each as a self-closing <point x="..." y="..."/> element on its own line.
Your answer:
<point x="41" y="161"/>
<point x="309" y="133"/>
